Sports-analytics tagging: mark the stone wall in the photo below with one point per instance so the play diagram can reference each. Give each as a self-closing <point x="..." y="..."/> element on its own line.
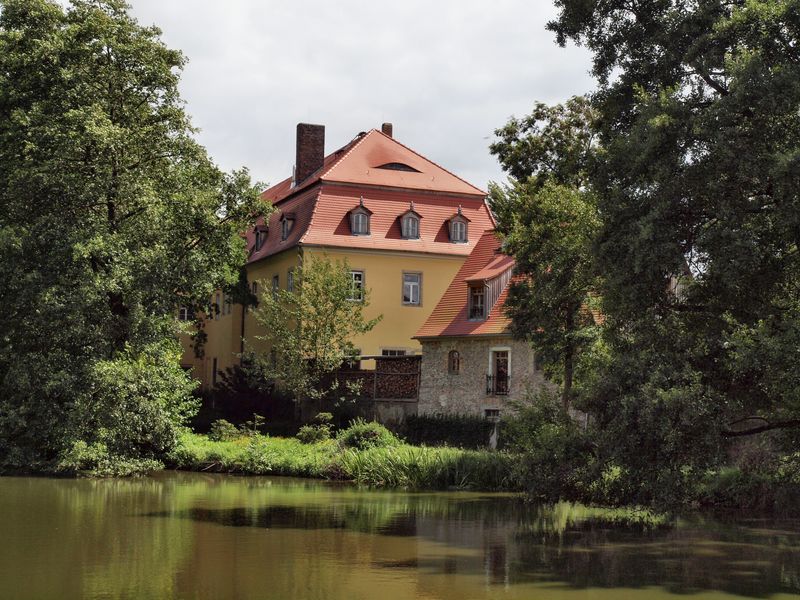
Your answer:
<point x="465" y="392"/>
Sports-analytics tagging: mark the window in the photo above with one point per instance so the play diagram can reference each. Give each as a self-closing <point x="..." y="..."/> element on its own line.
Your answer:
<point x="259" y="240"/>
<point x="491" y="414"/>
<point x="458" y="227"/>
<point x="217" y="307"/>
<point x="410" y="227"/>
<point x="287" y="222"/>
<point x="477" y="296"/>
<point x="458" y="231"/>
<point x="227" y="305"/>
<point x="356" y="286"/>
<point x="360" y="224"/>
<point x="185" y="314"/>
<point x="290" y="280"/>
<point x="254" y="288"/>
<point x="412" y="288"/>
<point x="497" y="381"/>
<point x="453" y="362"/>
<point x="276" y="285"/>
<point x="393" y="352"/>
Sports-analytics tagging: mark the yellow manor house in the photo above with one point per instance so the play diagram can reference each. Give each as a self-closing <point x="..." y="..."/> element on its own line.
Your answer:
<point x="404" y="224"/>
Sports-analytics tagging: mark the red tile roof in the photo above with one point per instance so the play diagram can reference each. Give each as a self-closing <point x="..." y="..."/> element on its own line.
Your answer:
<point x="449" y="318"/>
<point x="323" y="201"/>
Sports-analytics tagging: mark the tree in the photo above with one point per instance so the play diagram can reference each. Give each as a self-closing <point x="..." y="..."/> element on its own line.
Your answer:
<point x="703" y="138"/>
<point x="310" y="330"/>
<point x="698" y="113"/>
<point x="112" y="215"/>
<point x="548" y="217"/>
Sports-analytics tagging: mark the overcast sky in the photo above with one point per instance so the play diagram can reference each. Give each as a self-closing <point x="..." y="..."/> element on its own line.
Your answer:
<point x="446" y="73"/>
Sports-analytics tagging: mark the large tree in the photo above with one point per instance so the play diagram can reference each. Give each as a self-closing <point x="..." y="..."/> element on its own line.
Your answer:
<point x="111" y="215"/>
<point x="699" y="117"/>
<point x="548" y="217"/>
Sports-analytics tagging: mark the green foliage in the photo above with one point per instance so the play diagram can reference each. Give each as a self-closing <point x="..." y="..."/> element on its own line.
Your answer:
<point x="362" y="434"/>
<point x="223" y="431"/>
<point x="549" y="220"/>
<point x="136" y="403"/>
<point x="112" y="216"/>
<point x="462" y="431"/>
<point x="411" y="467"/>
<point x="319" y="431"/>
<point x="254" y="426"/>
<point x="95" y="461"/>
<point x="554" y="454"/>
<point x="309" y="330"/>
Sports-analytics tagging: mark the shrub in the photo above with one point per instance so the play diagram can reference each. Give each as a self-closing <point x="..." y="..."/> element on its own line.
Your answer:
<point x="554" y="455"/>
<point x="223" y="431"/>
<point x="319" y="432"/>
<point x="462" y="431"/>
<point x="364" y="434"/>
<point x="94" y="460"/>
<point x="312" y="434"/>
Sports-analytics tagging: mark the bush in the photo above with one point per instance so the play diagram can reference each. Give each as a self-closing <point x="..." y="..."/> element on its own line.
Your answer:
<point x="366" y="434"/>
<point x="223" y="431"/>
<point x="132" y="412"/>
<point x="462" y="431"/>
<point x="312" y="434"/>
<point x="95" y="461"/>
<point x="554" y="455"/>
<point x="321" y="431"/>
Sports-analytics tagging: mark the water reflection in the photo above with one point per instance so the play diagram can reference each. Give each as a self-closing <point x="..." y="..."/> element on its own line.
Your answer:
<point x="210" y="536"/>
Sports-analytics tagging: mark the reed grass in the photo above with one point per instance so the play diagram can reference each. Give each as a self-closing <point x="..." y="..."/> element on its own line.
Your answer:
<point x="403" y="466"/>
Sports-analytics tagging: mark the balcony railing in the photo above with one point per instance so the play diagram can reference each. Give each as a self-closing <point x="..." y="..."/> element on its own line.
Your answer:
<point x="497" y="385"/>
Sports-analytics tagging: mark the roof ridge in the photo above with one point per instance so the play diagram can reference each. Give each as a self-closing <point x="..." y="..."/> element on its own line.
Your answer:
<point x="433" y="162"/>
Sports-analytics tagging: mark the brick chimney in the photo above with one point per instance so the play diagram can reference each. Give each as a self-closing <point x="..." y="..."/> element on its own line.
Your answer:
<point x="387" y="129"/>
<point x="310" y="150"/>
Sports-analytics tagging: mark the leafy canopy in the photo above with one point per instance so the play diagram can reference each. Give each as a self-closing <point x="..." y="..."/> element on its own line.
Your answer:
<point x="112" y="215"/>
<point x="310" y="330"/>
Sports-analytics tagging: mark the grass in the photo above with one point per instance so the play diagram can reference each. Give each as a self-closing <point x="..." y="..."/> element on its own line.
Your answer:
<point x="403" y="466"/>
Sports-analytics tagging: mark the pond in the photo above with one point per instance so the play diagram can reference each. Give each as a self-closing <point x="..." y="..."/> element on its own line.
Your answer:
<point x="188" y="535"/>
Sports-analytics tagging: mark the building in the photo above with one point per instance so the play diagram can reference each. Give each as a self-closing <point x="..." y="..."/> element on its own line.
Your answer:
<point x="470" y="362"/>
<point x="404" y="224"/>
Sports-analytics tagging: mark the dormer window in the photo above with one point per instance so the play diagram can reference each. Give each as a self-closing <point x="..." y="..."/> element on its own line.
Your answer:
<point x="477" y="302"/>
<point x="458" y="228"/>
<point x="359" y="219"/>
<point x="287" y="223"/>
<point x="260" y="237"/>
<point x="409" y="224"/>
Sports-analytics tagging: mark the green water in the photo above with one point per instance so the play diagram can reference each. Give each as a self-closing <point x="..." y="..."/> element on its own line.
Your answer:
<point x="180" y="535"/>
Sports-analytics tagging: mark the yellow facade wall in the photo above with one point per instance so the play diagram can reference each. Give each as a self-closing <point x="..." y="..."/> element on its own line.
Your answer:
<point x="383" y="279"/>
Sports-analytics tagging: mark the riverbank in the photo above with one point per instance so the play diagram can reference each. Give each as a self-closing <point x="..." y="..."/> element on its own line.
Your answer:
<point x="400" y="466"/>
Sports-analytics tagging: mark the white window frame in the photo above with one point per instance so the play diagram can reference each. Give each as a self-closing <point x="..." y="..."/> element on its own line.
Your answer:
<point x="183" y="313"/>
<point x="412" y="284"/>
<point x="409" y="226"/>
<point x="483" y="316"/>
<point x="394" y="352"/>
<point x="455" y="225"/>
<point x="360" y="296"/>
<point x="491" y="372"/>
<point x="359" y="223"/>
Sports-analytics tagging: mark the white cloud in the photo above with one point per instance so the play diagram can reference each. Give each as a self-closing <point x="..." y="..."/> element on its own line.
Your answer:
<point x="446" y="73"/>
